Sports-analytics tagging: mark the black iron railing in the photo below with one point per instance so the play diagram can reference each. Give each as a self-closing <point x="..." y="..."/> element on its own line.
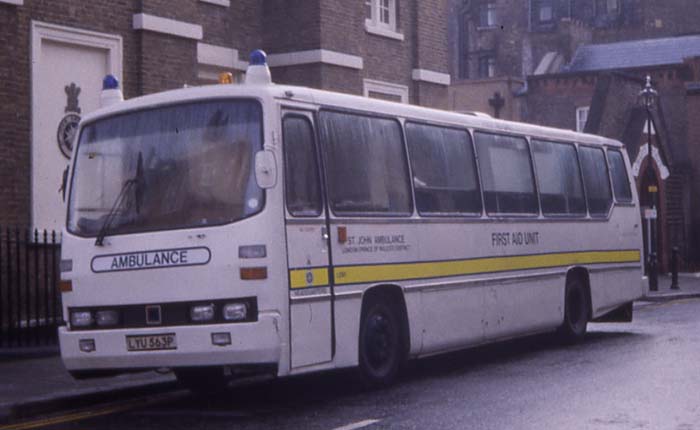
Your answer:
<point x="30" y="301"/>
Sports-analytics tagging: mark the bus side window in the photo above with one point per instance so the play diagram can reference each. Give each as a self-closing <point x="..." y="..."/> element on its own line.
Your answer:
<point x="595" y="178"/>
<point x="559" y="178"/>
<point x="444" y="170"/>
<point x="302" y="181"/>
<point x="506" y="174"/>
<point x="620" y="180"/>
<point x="367" y="168"/>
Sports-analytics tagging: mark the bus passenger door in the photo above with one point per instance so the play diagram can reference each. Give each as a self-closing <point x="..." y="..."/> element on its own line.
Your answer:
<point x="310" y="294"/>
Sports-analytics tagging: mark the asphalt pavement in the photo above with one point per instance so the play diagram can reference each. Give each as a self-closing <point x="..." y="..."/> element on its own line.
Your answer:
<point x="34" y="382"/>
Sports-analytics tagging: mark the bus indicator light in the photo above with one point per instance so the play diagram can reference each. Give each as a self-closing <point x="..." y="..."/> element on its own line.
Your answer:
<point x="252" y="273"/>
<point x="65" y="286"/>
<point x="66" y="265"/>
<point x="342" y="234"/>
<point x="252" y="251"/>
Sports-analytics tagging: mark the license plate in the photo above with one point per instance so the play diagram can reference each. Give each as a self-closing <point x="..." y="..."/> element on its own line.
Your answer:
<point x="153" y="342"/>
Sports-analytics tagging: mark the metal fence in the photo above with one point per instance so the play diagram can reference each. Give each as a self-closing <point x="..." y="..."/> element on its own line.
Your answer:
<point x="30" y="301"/>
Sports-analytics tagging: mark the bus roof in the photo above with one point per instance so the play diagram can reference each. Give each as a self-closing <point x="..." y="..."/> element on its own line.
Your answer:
<point x="321" y="98"/>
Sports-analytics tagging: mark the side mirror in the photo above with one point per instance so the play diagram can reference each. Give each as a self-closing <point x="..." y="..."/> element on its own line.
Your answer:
<point x="265" y="169"/>
<point x="64" y="183"/>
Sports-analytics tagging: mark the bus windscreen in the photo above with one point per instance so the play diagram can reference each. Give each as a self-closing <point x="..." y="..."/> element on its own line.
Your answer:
<point x="178" y="166"/>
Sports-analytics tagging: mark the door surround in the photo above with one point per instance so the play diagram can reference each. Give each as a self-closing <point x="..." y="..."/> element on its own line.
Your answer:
<point x="42" y="32"/>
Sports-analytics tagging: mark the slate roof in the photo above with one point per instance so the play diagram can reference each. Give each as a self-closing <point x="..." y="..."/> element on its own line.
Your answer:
<point x="634" y="54"/>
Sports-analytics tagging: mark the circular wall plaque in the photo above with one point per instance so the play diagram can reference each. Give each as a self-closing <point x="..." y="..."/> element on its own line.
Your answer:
<point x="66" y="133"/>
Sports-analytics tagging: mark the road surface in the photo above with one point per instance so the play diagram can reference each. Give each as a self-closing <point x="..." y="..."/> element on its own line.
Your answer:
<point x="643" y="375"/>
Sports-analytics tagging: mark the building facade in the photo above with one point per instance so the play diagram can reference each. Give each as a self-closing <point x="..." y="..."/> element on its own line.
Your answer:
<point x="580" y="65"/>
<point x="493" y="42"/>
<point x="599" y="93"/>
<point x="54" y="55"/>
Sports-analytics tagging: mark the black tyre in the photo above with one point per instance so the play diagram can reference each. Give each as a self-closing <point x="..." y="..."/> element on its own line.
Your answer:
<point x="380" y="346"/>
<point x="203" y="381"/>
<point x="573" y="329"/>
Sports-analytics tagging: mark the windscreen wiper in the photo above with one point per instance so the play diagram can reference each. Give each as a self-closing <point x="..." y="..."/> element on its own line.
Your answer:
<point x="137" y="181"/>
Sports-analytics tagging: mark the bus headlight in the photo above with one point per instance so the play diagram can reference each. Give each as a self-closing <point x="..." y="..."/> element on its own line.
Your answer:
<point x="106" y="318"/>
<point x="81" y="318"/>
<point x="235" y="311"/>
<point x="202" y="313"/>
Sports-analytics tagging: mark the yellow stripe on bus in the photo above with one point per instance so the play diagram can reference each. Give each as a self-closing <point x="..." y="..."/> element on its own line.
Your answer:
<point x="299" y="278"/>
<point x="402" y="271"/>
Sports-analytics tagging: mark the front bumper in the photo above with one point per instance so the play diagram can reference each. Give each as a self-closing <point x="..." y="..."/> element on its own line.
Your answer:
<point x="252" y="343"/>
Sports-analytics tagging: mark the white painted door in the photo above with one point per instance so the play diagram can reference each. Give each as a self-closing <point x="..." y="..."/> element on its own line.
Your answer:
<point x="67" y="71"/>
<point x="311" y="294"/>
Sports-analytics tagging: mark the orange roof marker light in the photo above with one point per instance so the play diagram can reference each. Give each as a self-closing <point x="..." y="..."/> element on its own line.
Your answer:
<point x="226" y="78"/>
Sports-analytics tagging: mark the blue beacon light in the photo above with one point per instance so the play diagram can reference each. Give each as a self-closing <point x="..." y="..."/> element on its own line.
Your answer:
<point x="258" y="58"/>
<point x="111" y="93"/>
<point x="258" y="73"/>
<point x="110" y="83"/>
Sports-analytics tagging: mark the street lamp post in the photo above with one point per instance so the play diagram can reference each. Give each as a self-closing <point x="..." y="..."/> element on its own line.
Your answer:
<point x="649" y="95"/>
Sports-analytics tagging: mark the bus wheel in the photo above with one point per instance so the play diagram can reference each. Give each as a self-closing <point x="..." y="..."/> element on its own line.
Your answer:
<point x="575" y="312"/>
<point x="202" y="381"/>
<point x="380" y="346"/>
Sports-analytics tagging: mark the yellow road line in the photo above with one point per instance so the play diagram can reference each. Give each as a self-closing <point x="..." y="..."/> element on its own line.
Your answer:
<point x="91" y="413"/>
<point x="66" y="418"/>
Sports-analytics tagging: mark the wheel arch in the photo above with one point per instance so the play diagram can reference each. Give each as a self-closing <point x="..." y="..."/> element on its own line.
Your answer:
<point x="393" y="295"/>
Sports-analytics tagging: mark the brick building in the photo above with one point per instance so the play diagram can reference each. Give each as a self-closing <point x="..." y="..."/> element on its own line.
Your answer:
<point x="53" y="56"/>
<point x="580" y="64"/>
<point x="497" y="43"/>
<point x="598" y="92"/>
